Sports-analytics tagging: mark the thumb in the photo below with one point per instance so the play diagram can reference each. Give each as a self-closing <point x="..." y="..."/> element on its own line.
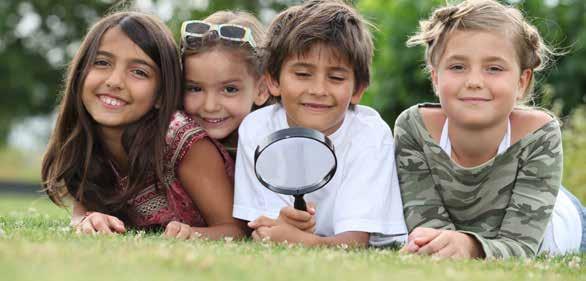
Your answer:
<point x="261" y="221"/>
<point x="311" y="208"/>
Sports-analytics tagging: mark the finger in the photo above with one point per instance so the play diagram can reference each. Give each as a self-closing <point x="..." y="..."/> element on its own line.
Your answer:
<point x="446" y="252"/>
<point x="264" y="232"/>
<point x="434" y="245"/>
<point x="116" y="224"/>
<point x="255" y="236"/>
<point x="171" y="230"/>
<point x="293" y="215"/>
<point x="423" y="235"/>
<point x="410" y="247"/>
<point x="261" y="221"/>
<point x="311" y="208"/>
<point x="184" y="232"/>
<point x="100" y="225"/>
<point x="87" y="227"/>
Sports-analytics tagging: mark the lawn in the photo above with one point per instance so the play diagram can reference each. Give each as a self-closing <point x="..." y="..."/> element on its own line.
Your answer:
<point x="37" y="244"/>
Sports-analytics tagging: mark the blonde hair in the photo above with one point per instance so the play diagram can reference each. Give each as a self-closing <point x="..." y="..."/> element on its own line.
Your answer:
<point x="483" y="15"/>
<point x="210" y="43"/>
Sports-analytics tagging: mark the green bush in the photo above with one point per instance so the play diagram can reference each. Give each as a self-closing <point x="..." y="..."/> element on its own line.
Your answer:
<point x="574" y="143"/>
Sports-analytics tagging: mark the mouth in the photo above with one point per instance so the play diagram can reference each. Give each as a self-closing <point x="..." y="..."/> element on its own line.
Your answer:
<point x="111" y="102"/>
<point x="316" y="106"/>
<point x="474" y="99"/>
<point x="212" y="122"/>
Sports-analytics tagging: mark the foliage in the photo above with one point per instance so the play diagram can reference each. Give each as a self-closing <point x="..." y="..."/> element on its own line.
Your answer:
<point x="35" y="234"/>
<point x="574" y="144"/>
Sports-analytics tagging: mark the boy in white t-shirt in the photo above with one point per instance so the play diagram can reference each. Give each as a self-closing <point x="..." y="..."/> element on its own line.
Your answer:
<point x="317" y="59"/>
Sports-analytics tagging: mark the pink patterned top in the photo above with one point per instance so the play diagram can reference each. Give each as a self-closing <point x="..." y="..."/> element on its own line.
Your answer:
<point x="160" y="203"/>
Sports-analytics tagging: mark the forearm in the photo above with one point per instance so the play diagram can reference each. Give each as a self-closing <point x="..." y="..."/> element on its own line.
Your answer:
<point x="350" y="238"/>
<point x="236" y="230"/>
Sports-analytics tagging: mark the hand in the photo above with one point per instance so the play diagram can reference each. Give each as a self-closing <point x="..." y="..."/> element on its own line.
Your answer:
<point x="302" y="220"/>
<point x="284" y="233"/>
<point x="96" y="222"/>
<point x="179" y="230"/>
<point x="419" y="237"/>
<point x="452" y="244"/>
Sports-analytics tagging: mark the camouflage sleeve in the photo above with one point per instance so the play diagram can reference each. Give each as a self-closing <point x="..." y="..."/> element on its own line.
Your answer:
<point x="534" y="194"/>
<point x="422" y="203"/>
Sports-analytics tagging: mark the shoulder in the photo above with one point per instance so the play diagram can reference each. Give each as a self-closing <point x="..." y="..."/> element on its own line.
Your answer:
<point x="433" y="119"/>
<point x="259" y="123"/>
<point x="182" y="125"/>
<point x="526" y="121"/>
<point x="368" y="127"/>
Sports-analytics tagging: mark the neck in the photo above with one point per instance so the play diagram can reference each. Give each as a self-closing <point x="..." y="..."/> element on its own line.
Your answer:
<point x="112" y="140"/>
<point x="473" y="147"/>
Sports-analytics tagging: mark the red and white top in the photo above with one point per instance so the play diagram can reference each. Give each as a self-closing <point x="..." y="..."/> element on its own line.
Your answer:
<point x="159" y="203"/>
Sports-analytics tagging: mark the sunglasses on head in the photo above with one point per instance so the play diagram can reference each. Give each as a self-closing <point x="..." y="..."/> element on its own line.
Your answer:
<point x="194" y="30"/>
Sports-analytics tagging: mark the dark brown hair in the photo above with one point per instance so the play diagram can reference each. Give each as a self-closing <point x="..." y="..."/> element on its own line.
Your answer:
<point x="332" y="22"/>
<point x="76" y="162"/>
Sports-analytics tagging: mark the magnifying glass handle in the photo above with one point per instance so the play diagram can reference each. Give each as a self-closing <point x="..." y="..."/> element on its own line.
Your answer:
<point x="299" y="203"/>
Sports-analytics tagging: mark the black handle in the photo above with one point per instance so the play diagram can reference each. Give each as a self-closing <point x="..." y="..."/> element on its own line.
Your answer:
<point x="300" y="203"/>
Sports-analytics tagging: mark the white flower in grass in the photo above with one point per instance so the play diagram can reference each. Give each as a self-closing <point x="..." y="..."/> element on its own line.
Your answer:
<point x="343" y="246"/>
<point x="575" y="262"/>
<point x="2" y="234"/>
<point x="227" y="239"/>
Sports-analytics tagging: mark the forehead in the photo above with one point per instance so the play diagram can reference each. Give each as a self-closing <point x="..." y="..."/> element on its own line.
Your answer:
<point x="479" y="44"/>
<point x="320" y="54"/>
<point x="118" y="44"/>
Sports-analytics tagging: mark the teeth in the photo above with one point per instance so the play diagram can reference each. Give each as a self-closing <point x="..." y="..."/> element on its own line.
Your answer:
<point x="215" y="120"/>
<point x="111" y="101"/>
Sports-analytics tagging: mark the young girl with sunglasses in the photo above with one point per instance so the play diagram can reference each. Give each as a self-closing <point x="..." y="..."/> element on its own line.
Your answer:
<point x="222" y="76"/>
<point x="222" y="72"/>
<point x="122" y="152"/>
<point x="480" y="175"/>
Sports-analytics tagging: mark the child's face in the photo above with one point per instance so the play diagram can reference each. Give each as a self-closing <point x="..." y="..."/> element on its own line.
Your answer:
<point x="316" y="89"/>
<point x="220" y="91"/>
<point x="478" y="78"/>
<point x="121" y="84"/>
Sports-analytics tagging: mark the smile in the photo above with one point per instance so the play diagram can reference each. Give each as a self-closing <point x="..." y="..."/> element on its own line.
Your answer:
<point x="474" y="99"/>
<point x="111" y="102"/>
<point x="214" y="121"/>
<point x="316" y="106"/>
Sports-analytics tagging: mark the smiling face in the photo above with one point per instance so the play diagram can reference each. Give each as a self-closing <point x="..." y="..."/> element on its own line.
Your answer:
<point x="220" y="90"/>
<point x="121" y="83"/>
<point x="478" y="78"/>
<point x="316" y="89"/>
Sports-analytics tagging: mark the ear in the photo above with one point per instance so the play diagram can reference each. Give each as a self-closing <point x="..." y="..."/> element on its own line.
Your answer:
<point x="263" y="92"/>
<point x="434" y="80"/>
<point x="272" y="85"/>
<point x="524" y="82"/>
<point x="357" y="96"/>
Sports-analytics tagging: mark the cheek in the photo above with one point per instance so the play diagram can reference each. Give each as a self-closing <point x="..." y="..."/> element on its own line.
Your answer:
<point x="238" y="107"/>
<point x="192" y="102"/>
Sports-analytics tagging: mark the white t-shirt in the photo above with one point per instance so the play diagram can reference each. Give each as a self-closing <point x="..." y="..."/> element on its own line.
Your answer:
<point x="362" y="196"/>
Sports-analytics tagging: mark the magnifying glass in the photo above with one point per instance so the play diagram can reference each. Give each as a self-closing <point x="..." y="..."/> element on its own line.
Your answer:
<point x="295" y="161"/>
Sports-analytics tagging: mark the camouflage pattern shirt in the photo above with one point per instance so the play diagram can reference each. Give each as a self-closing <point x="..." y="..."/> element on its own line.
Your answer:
<point x="506" y="203"/>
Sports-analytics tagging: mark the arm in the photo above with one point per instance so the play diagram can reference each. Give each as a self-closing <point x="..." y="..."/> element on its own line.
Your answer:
<point x="202" y="174"/>
<point x="290" y="234"/>
<point x="422" y="203"/>
<point x="534" y="194"/>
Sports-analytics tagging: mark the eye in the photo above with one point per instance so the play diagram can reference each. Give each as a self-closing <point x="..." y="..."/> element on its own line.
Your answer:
<point x="494" y="69"/>
<point x="101" y="62"/>
<point x="337" y="78"/>
<point x="231" y="90"/>
<point x="302" y="74"/>
<point x="456" y="67"/>
<point x="193" y="89"/>
<point x="140" y="72"/>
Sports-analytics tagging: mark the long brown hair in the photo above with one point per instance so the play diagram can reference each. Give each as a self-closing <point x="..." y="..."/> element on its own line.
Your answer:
<point x="76" y="162"/>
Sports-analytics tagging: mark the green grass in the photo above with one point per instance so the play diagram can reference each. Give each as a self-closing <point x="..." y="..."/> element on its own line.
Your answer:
<point x="36" y="243"/>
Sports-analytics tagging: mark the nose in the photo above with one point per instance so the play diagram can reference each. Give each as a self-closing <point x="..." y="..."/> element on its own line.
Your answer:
<point x="475" y="80"/>
<point x="115" y="79"/>
<point x="211" y="103"/>
<point x="318" y="87"/>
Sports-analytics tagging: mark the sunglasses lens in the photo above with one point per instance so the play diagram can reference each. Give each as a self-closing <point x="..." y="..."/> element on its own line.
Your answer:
<point x="232" y="32"/>
<point x="197" y="27"/>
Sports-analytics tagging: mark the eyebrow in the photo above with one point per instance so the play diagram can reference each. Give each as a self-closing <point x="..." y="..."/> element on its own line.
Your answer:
<point x="134" y="60"/>
<point x="309" y="65"/>
<point x="464" y="58"/>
